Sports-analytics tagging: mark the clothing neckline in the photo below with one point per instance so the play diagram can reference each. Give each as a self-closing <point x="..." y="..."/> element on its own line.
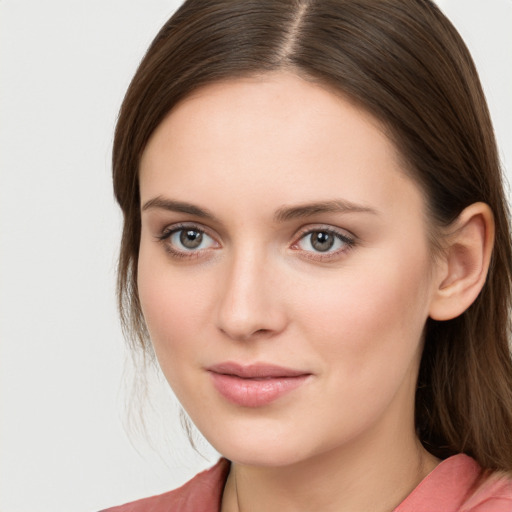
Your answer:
<point x="445" y="488"/>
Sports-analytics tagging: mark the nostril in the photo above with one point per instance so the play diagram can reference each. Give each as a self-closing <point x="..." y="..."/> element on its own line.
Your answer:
<point x="261" y="333"/>
<point x="245" y="334"/>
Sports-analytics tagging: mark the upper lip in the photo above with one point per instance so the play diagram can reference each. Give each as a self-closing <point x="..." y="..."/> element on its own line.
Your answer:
<point x="255" y="371"/>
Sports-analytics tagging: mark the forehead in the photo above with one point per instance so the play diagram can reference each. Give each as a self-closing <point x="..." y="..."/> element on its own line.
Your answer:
<point x="276" y="135"/>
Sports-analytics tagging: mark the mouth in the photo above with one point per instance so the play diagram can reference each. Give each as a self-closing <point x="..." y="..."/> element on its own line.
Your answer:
<point x="255" y="385"/>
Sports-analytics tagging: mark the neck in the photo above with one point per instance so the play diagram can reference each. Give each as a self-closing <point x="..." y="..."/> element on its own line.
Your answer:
<point x="363" y="477"/>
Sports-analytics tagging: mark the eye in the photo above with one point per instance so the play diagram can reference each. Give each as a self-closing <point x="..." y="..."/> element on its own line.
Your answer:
<point x="324" y="241"/>
<point x="190" y="239"/>
<point x="186" y="240"/>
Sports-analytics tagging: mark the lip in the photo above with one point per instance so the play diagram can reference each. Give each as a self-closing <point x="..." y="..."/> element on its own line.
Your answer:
<point x="255" y="385"/>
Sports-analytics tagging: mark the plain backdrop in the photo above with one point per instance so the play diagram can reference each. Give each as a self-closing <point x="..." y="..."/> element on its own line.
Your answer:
<point x="64" y="67"/>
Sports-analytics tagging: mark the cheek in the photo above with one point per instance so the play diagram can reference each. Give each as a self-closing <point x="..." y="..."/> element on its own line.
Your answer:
<point x="174" y="311"/>
<point x="175" y="306"/>
<point x="374" y="306"/>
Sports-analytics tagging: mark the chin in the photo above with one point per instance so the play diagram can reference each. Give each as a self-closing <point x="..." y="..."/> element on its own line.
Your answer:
<point x="258" y="456"/>
<point x="260" y="446"/>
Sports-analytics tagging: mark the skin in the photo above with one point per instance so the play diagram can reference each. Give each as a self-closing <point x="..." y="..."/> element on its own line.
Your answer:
<point x="257" y="290"/>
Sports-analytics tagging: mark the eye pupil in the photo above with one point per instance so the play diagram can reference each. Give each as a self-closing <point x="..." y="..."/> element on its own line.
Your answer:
<point x="322" y="241"/>
<point x="191" y="238"/>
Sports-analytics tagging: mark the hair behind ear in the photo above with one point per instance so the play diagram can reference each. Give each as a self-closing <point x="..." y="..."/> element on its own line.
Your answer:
<point x="465" y="381"/>
<point x="465" y="391"/>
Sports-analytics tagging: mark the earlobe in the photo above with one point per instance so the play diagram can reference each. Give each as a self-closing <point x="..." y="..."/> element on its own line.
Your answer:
<point x="465" y="262"/>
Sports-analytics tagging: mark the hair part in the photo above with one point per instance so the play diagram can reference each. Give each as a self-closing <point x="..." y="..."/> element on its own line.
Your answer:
<point x="405" y="63"/>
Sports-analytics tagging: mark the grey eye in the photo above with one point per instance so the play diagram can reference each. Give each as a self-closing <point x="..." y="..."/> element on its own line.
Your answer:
<point x="321" y="240"/>
<point x="191" y="238"/>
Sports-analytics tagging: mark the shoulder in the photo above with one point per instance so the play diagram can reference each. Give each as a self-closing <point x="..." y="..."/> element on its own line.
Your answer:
<point x="458" y="484"/>
<point x="203" y="492"/>
<point x="492" y="494"/>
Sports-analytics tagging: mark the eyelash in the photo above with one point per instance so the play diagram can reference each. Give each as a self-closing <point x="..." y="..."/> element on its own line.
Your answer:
<point x="348" y="241"/>
<point x="168" y="232"/>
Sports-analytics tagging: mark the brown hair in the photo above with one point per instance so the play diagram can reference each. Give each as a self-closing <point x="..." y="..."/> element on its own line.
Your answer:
<point x="404" y="62"/>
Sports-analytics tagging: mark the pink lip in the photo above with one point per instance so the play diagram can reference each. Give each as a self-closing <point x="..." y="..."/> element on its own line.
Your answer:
<point x="255" y="385"/>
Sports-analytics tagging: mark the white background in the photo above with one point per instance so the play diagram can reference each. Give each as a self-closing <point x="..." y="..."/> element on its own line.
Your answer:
<point x="64" y="67"/>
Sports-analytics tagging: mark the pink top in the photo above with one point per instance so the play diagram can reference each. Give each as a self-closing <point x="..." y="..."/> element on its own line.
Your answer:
<point x="455" y="485"/>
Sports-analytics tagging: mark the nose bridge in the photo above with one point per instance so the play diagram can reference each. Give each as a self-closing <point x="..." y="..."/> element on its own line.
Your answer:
<point x="248" y="303"/>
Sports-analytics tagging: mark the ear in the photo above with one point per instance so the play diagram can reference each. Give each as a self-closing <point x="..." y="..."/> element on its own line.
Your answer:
<point x="462" y="268"/>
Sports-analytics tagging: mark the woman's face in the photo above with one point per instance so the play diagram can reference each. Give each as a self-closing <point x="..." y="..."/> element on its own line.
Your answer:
<point x="284" y="270"/>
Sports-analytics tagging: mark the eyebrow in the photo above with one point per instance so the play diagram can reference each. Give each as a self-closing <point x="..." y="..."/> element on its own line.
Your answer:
<point x="178" y="206"/>
<point x="287" y="213"/>
<point x="283" y="214"/>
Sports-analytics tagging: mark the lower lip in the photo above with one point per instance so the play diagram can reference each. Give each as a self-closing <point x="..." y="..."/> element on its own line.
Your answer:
<point x="255" y="392"/>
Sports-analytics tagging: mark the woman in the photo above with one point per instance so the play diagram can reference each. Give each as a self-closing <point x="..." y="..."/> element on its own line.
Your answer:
<point x="316" y="246"/>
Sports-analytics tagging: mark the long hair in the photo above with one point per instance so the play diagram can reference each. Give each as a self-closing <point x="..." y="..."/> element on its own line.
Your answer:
<point x="405" y="63"/>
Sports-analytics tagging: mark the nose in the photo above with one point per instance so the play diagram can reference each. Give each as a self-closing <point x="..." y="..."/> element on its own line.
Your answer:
<point x="251" y="301"/>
